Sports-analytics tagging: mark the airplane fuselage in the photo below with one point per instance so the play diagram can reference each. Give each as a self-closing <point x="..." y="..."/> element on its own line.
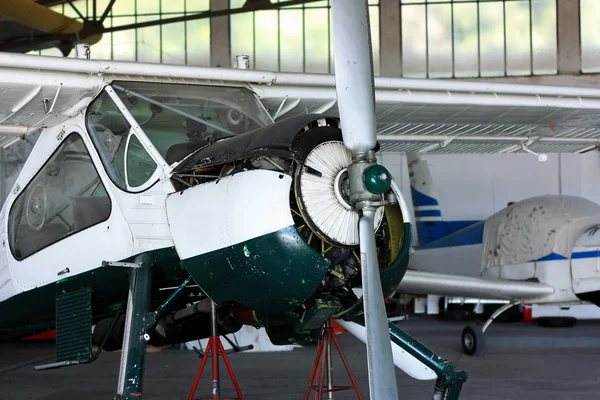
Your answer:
<point x="130" y="177"/>
<point x="573" y="279"/>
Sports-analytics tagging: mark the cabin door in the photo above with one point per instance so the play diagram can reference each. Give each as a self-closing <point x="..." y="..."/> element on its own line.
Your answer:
<point x="585" y="270"/>
<point x="63" y="221"/>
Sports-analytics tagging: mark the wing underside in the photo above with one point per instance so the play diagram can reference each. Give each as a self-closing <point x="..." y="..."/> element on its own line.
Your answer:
<point x="462" y="117"/>
<point x="31" y="99"/>
<point x="425" y="115"/>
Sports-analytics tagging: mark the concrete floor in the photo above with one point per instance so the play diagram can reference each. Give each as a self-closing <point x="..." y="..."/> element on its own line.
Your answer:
<point x="523" y="361"/>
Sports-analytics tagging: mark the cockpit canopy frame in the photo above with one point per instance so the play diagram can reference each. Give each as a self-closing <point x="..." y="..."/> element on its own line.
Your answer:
<point x="143" y="130"/>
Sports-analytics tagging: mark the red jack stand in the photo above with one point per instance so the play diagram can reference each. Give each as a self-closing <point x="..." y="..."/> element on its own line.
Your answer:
<point x="214" y="348"/>
<point x="324" y="356"/>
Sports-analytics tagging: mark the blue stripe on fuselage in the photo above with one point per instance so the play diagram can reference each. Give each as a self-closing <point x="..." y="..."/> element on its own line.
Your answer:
<point x="574" y="256"/>
<point x="585" y="254"/>
<point x="554" y="257"/>
<point x="428" y="213"/>
<point x="455" y="226"/>
<point x="472" y="234"/>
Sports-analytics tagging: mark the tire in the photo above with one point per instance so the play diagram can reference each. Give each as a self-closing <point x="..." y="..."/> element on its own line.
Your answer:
<point x="557" y="322"/>
<point x="115" y="338"/>
<point x="473" y="340"/>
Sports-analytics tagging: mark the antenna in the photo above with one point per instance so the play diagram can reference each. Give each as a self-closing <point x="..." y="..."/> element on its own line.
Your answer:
<point x="82" y="51"/>
<point x="242" y="62"/>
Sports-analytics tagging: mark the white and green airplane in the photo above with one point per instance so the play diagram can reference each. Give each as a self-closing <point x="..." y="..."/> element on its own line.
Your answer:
<point x="152" y="192"/>
<point x="146" y="177"/>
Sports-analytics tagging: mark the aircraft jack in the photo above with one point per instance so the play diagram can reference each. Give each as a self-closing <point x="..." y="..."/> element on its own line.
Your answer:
<point x="214" y="348"/>
<point x="324" y="357"/>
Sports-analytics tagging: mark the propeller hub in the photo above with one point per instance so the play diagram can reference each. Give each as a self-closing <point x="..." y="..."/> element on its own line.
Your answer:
<point x="368" y="181"/>
<point x="377" y="179"/>
<point x="341" y="187"/>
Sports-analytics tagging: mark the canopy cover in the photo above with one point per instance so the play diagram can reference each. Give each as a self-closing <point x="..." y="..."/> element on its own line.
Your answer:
<point x="537" y="227"/>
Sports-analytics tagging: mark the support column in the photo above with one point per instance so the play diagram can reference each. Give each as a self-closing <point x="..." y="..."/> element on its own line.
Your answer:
<point x="391" y="40"/>
<point x="220" y="43"/>
<point x="568" y="28"/>
<point x="133" y="357"/>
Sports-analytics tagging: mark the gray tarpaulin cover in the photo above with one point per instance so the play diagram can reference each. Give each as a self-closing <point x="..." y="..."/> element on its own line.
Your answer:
<point x="536" y="227"/>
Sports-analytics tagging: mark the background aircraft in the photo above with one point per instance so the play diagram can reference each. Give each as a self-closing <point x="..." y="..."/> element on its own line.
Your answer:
<point x="540" y="250"/>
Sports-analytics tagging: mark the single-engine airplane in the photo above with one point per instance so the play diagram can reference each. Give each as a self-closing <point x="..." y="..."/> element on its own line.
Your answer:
<point x="540" y="250"/>
<point x="148" y="176"/>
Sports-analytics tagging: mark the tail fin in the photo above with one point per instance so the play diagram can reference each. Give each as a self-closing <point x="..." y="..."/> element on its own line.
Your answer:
<point x="428" y="215"/>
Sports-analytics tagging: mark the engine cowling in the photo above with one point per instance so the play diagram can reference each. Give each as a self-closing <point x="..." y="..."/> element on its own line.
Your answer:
<point x="271" y="230"/>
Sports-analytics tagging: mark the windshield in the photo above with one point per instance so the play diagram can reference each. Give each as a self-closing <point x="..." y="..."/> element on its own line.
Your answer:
<point x="179" y="119"/>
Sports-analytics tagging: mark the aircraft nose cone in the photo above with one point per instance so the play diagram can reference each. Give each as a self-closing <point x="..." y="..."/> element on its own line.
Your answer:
<point x="377" y="179"/>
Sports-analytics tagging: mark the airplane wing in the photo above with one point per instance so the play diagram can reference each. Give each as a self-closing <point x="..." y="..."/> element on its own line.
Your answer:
<point x="30" y="99"/>
<point x="418" y="282"/>
<point x="443" y="116"/>
<point x="426" y="115"/>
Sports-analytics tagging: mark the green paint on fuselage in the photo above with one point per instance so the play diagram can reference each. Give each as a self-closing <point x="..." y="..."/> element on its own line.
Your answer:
<point x="270" y="274"/>
<point x="34" y="311"/>
<point x="274" y="274"/>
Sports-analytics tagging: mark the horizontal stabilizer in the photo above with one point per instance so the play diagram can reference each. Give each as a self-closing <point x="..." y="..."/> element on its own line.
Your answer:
<point x="417" y="282"/>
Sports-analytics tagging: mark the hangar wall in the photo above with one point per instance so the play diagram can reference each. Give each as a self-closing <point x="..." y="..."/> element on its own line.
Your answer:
<point x="530" y="41"/>
<point x="474" y="186"/>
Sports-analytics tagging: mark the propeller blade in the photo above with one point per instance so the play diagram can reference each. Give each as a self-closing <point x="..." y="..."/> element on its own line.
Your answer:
<point x="403" y="360"/>
<point x="38" y="17"/>
<point x="382" y="375"/>
<point x="368" y="181"/>
<point x="353" y="63"/>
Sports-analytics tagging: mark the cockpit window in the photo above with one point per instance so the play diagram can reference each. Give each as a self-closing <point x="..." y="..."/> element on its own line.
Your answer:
<point x="65" y="197"/>
<point x="179" y="119"/>
<point x="126" y="161"/>
<point x="108" y="129"/>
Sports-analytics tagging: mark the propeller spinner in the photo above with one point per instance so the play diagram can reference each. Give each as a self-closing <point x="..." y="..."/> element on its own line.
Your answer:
<point x="368" y="180"/>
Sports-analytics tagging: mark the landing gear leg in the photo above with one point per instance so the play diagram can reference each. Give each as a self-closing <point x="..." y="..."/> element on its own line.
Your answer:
<point x="473" y="337"/>
<point x="133" y="357"/>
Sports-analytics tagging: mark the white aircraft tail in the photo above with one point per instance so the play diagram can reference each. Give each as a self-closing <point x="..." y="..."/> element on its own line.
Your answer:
<point x="428" y="215"/>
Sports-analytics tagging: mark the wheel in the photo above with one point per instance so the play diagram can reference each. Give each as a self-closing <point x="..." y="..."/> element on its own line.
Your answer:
<point x="115" y="338"/>
<point x="557" y="322"/>
<point x="473" y="340"/>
